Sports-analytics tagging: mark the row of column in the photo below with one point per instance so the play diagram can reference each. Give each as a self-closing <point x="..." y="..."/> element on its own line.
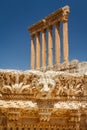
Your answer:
<point x="50" y="47"/>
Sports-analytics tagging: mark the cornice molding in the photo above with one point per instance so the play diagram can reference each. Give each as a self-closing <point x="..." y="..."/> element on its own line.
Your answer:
<point x="57" y="16"/>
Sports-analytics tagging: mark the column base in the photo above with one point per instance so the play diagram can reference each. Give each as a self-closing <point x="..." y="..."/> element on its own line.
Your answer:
<point x="50" y="67"/>
<point x="43" y="69"/>
<point x="38" y="69"/>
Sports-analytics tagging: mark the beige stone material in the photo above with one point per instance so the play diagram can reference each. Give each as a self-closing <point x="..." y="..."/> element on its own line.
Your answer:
<point x="57" y="16"/>
<point x="57" y="43"/>
<point x="35" y="99"/>
<point x="32" y="53"/>
<point x="60" y="16"/>
<point x="15" y="128"/>
<point x="37" y="50"/>
<point x="43" y="48"/>
<point x="65" y="41"/>
<point x="50" y="47"/>
<point x="25" y="128"/>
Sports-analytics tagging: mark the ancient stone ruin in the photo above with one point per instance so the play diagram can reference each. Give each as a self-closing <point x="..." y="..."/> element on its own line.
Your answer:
<point x="39" y="29"/>
<point x="52" y="97"/>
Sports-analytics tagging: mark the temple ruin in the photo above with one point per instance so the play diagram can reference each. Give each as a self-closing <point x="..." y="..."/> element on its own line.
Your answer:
<point x="54" y="99"/>
<point x="40" y="28"/>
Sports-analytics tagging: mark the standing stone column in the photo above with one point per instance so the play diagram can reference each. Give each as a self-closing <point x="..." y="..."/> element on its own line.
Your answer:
<point x="13" y="128"/>
<point x="31" y="128"/>
<point x="37" y="50"/>
<point x="32" y="53"/>
<point x="43" y="48"/>
<point x="65" y="41"/>
<point x="50" y="47"/>
<point x="57" y="44"/>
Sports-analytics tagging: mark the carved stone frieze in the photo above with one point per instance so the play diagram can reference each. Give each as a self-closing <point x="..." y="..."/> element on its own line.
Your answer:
<point x="42" y="98"/>
<point x="42" y="85"/>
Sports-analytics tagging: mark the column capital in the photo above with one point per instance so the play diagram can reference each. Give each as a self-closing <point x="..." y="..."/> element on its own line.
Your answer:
<point x="66" y="11"/>
<point x="65" y="17"/>
<point x="32" y="37"/>
<point x="38" y="33"/>
<point x="43" y="30"/>
<point x="57" y="24"/>
<point x="49" y="27"/>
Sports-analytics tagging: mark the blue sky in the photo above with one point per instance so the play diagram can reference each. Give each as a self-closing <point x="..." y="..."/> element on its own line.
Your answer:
<point x="17" y="15"/>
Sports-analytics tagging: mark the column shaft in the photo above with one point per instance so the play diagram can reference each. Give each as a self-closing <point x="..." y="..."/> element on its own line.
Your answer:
<point x="25" y="128"/>
<point x="14" y="128"/>
<point x="31" y="128"/>
<point x="1" y="128"/>
<point x="57" y="44"/>
<point x="32" y="53"/>
<point x="65" y="41"/>
<point x="55" y="128"/>
<point x="43" y="49"/>
<point x="38" y="51"/>
<point x="50" y="47"/>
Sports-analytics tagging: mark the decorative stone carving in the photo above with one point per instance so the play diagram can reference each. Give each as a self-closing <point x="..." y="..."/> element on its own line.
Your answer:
<point x="46" y="85"/>
<point x="42" y="98"/>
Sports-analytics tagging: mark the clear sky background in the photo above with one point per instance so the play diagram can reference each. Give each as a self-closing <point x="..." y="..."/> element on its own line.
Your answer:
<point x="17" y="15"/>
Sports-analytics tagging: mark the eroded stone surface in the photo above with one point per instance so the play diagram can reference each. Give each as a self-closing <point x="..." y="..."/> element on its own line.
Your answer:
<point x="48" y="84"/>
<point x="35" y="98"/>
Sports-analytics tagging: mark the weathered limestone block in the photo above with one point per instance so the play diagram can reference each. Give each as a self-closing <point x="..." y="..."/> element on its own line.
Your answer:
<point x="82" y="67"/>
